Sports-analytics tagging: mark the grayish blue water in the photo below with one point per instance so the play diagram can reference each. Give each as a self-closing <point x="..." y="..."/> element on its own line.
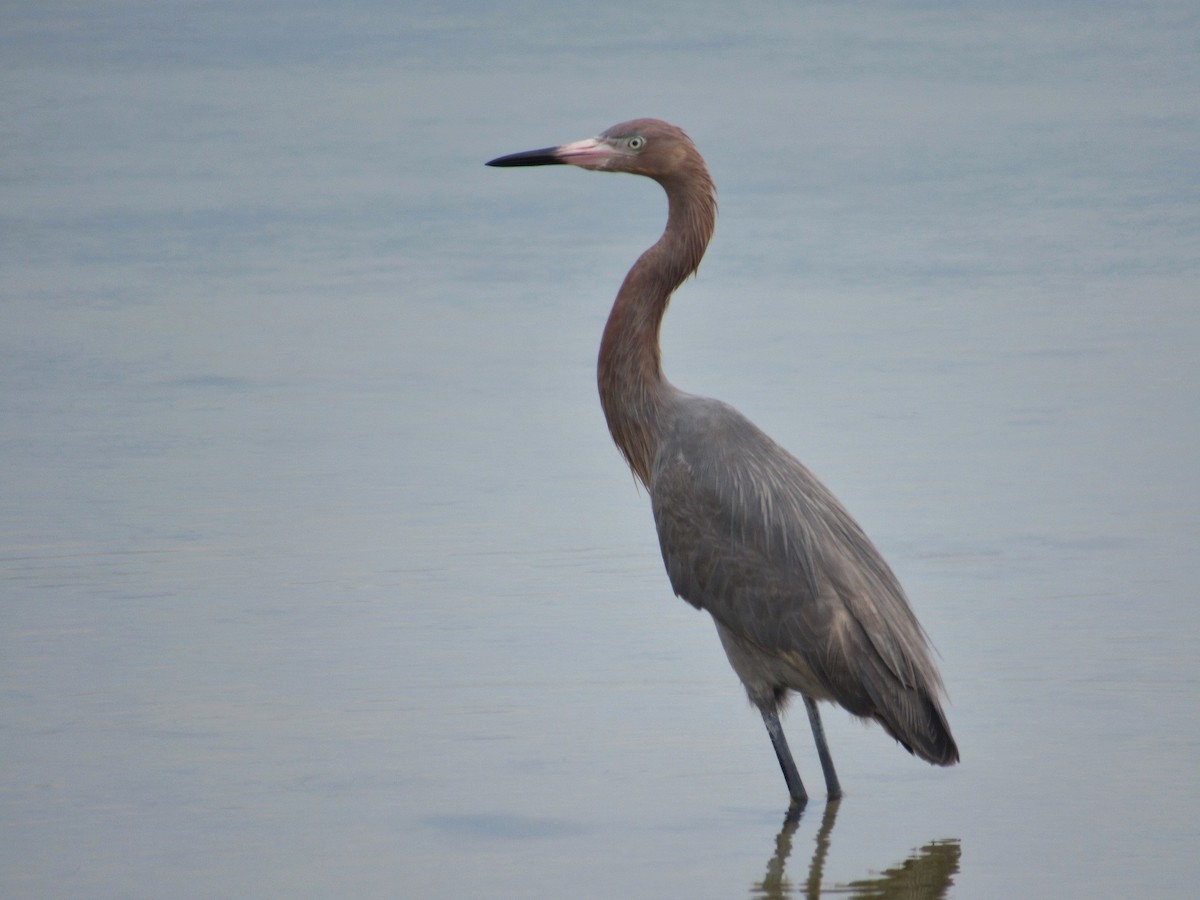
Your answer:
<point x="320" y="576"/>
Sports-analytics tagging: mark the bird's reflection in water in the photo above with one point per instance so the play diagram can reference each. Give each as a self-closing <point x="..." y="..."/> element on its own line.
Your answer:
<point x="925" y="875"/>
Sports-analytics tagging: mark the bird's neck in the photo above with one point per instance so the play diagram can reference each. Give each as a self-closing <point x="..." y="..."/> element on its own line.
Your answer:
<point x="633" y="390"/>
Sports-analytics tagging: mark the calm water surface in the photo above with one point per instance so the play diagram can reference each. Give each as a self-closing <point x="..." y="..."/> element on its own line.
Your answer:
<point x="321" y="577"/>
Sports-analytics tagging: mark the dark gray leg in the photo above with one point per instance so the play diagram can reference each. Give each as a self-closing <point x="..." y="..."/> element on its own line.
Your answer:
<point x="794" y="785"/>
<point x="818" y="730"/>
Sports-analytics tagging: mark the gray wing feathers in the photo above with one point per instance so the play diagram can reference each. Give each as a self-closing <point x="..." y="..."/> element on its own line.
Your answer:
<point x="750" y="535"/>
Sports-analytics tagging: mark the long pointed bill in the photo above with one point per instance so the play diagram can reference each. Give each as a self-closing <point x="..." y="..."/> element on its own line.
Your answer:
<point x="589" y="154"/>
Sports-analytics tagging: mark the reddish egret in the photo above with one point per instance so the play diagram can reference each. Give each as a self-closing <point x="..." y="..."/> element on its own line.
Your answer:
<point x="801" y="598"/>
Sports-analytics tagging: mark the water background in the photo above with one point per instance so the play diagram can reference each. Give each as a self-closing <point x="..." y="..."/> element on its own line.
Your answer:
<point x="320" y="576"/>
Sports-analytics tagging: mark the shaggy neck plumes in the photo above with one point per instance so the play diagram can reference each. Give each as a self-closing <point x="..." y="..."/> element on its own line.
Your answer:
<point x="632" y="386"/>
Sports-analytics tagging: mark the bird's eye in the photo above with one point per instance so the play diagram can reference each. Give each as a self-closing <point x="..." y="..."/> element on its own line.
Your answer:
<point x="637" y="142"/>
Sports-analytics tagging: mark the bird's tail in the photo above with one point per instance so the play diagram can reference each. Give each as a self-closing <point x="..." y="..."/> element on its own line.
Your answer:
<point x="920" y="726"/>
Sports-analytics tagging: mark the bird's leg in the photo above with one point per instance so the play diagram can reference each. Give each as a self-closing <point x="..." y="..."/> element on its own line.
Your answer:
<point x="786" y="763"/>
<point x="818" y="730"/>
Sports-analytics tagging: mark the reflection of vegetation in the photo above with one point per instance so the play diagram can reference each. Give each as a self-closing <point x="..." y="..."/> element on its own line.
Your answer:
<point x="926" y="875"/>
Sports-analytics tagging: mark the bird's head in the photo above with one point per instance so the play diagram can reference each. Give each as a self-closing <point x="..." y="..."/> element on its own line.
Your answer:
<point x="647" y="147"/>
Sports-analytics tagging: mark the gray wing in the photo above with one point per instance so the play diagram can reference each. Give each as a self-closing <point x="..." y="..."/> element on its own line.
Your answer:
<point x="750" y="535"/>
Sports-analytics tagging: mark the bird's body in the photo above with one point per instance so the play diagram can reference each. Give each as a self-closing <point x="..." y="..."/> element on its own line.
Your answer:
<point x="801" y="599"/>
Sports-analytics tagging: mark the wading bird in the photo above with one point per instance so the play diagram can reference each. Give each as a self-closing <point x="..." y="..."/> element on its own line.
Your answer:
<point x="801" y="599"/>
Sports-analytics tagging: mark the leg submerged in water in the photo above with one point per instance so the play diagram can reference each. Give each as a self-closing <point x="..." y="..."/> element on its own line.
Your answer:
<point x="790" y="774"/>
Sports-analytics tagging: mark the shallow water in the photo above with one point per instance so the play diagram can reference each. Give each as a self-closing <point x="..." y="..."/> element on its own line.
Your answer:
<point x="320" y="574"/>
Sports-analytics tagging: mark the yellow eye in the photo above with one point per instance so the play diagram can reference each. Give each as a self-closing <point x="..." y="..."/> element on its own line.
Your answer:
<point x="637" y="142"/>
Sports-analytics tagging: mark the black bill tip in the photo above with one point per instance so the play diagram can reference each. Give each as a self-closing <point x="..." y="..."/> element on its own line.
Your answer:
<point x="544" y="157"/>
